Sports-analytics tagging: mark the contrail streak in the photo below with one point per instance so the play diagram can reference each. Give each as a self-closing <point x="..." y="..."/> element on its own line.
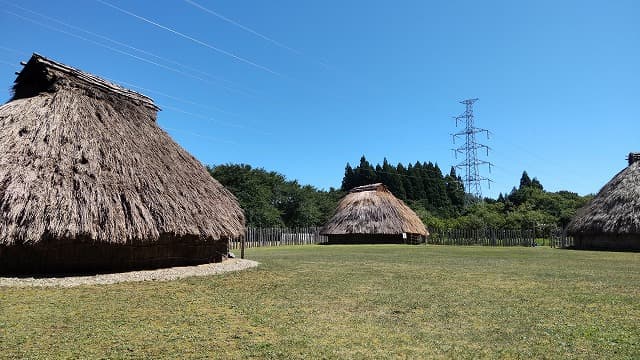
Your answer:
<point x="199" y="42"/>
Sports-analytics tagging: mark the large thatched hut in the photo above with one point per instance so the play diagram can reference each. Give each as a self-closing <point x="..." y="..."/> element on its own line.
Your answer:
<point x="611" y="220"/>
<point x="90" y="182"/>
<point x="371" y="214"/>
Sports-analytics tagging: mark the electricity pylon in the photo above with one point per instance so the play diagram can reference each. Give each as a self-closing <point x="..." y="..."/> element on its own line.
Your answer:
<point x="471" y="163"/>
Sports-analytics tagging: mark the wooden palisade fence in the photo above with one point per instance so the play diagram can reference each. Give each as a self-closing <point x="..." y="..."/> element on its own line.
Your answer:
<point x="260" y="237"/>
<point x="483" y="237"/>
<point x="559" y="239"/>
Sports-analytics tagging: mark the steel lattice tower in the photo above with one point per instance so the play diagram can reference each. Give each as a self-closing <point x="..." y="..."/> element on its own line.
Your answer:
<point x="472" y="177"/>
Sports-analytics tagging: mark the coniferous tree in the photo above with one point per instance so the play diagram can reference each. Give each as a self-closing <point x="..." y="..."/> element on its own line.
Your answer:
<point x="383" y="174"/>
<point x="406" y="183"/>
<point x="411" y="191"/>
<point x="440" y="199"/>
<point x="535" y="183"/>
<point x="393" y="181"/>
<point x="455" y="190"/>
<point x="365" y="173"/>
<point x="433" y="186"/>
<point x="349" y="178"/>
<point x="525" y="181"/>
<point x="416" y="175"/>
<point x="515" y="196"/>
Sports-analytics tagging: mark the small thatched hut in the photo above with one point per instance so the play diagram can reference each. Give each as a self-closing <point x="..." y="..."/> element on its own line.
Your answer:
<point x="89" y="182"/>
<point x="370" y="214"/>
<point x="611" y="220"/>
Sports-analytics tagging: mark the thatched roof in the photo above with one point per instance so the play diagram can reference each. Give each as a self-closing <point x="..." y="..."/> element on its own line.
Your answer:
<point x="616" y="207"/>
<point x="372" y="209"/>
<point x="83" y="159"/>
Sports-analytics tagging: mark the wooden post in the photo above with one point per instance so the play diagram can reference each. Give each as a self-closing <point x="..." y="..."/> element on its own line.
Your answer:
<point x="242" y="247"/>
<point x="533" y="234"/>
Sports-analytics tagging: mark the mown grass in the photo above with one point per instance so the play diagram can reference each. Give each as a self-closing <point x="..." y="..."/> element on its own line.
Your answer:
<point x="348" y="302"/>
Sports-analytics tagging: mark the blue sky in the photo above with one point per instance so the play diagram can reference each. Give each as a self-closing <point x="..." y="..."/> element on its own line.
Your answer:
<point x="303" y="87"/>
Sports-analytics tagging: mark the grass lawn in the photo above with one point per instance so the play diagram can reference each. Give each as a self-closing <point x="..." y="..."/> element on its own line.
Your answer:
<point x="360" y="301"/>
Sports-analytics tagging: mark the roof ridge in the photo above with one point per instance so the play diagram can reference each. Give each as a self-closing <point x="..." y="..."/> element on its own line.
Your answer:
<point x="92" y="80"/>
<point x="370" y="187"/>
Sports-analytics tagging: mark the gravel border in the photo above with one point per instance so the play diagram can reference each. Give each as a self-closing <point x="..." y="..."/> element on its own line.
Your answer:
<point x="167" y="274"/>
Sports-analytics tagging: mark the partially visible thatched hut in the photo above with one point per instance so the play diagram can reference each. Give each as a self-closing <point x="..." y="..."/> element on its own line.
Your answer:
<point x="90" y="182"/>
<point x="371" y="214"/>
<point x="612" y="219"/>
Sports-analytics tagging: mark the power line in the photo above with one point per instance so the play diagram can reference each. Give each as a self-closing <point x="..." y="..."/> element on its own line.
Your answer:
<point x="200" y="42"/>
<point x="175" y="108"/>
<point x="165" y="128"/>
<point x="248" y="29"/>
<point x="19" y="52"/>
<point x="190" y="102"/>
<point x="410" y="176"/>
<point x="105" y="46"/>
<point x="163" y="106"/>
<point x="237" y="88"/>
<point x="7" y="63"/>
<point x="246" y="92"/>
<point x="180" y="110"/>
<point x="103" y="37"/>
<point x="215" y="121"/>
<point x="243" y="27"/>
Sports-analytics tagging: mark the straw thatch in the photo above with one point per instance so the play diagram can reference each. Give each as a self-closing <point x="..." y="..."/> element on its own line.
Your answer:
<point x="371" y="214"/>
<point x="611" y="220"/>
<point x="88" y="181"/>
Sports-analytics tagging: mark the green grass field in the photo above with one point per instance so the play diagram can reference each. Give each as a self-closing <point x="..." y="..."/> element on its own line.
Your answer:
<point x="356" y="302"/>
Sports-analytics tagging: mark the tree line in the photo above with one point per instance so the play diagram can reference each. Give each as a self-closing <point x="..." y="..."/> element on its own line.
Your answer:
<point x="527" y="206"/>
<point x="269" y="199"/>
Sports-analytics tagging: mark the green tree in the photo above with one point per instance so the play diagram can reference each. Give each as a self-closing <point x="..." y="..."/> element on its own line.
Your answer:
<point x="349" y="178"/>
<point x="406" y="182"/>
<point x="392" y="180"/>
<point x="525" y="181"/>
<point x="536" y="184"/>
<point x="432" y="195"/>
<point x="253" y="191"/>
<point x="416" y="176"/>
<point x="365" y="173"/>
<point x="270" y="200"/>
<point x="455" y="191"/>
